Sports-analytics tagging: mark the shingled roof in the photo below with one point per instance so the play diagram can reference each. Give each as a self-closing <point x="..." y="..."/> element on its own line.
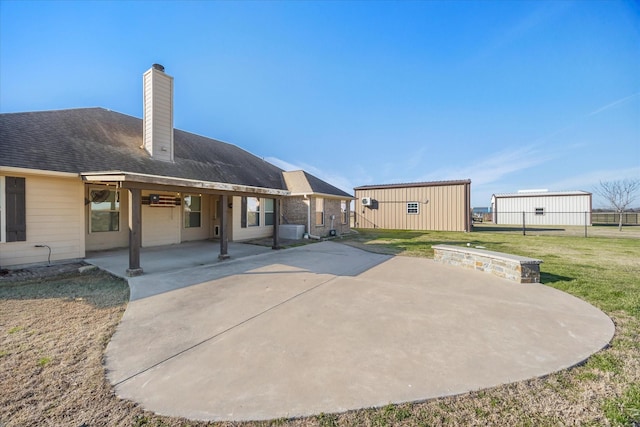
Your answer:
<point x="95" y="139"/>
<point x="302" y="182"/>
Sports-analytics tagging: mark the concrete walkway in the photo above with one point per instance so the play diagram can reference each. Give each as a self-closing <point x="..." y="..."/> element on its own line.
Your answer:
<point x="328" y="328"/>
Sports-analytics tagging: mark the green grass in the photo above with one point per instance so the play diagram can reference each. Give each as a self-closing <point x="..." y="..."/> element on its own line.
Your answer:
<point x="605" y="390"/>
<point x="15" y="329"/>
<point x="625" y="410"/>
<point x="44" y="361"/>
<point x="603" y="271"/>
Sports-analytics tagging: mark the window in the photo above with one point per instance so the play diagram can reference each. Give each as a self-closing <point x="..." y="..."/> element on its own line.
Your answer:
<point x="16" y="218"/>
<point x="319" y="211"/>
<point x="253" y="211"/>
<point x="413" y="208"/>
<point x="343" y="211"/>
<point x="105" y="210"/>
<point x="539" y="211"/>
<point x="192" y="211"/>
<point x="269" y="211"/>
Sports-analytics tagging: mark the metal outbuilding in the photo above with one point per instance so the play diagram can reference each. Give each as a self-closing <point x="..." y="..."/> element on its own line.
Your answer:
<point x="542" y="207"/>
<point x="437" y="205"/>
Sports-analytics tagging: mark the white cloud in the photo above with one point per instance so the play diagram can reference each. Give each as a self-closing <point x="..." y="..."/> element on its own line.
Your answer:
<point x="613" y="104"/>
<point x="589" y="180"/>
<point x="511" y="32"/>
<point x="282" y="164"/>
<point x="333" y="178"/>
<point x="493" y="167"/>
<point x="417" y="159"/>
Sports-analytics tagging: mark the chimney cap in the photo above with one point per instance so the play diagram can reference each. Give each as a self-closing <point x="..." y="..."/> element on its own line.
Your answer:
<point x="158" y="67"/>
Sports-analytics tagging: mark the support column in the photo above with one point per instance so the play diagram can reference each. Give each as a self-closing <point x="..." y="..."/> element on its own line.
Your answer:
<point x="276" y="224"/>
<point x="135" y="232"/>
<point x="224" y="239"/>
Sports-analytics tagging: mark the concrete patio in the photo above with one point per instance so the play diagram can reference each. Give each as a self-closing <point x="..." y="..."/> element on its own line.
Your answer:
<point x="327" y="328"/>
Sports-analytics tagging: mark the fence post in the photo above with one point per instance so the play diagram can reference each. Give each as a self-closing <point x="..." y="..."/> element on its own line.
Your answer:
<point x="585" y="224"/>
<point x="524" y="232"/>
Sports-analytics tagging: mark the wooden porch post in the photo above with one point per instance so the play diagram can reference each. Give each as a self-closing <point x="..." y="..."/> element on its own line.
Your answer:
<point x="276" y="224"/>
<point x="135" y="232"/>
<point x="223" y="228"/>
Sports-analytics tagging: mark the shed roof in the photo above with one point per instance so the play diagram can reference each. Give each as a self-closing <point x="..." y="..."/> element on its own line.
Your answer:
<point x="414" y="184"/>
<point x="542" y="194"/>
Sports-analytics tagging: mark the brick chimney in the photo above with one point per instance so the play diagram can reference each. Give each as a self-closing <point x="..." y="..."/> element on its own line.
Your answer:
<point x="158" y="113"/>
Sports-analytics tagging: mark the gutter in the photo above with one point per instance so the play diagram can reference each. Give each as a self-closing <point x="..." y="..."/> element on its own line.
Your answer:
<point x="14" y="170"/>
<point x="139" y="178"/>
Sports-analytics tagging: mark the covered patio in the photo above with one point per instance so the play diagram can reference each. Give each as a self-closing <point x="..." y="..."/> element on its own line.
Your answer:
<point x="134" y="184"/>
<point x="172" y="258"/>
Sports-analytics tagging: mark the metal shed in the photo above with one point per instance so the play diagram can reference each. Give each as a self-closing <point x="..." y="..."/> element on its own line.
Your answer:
<point x="437" y="205"/>
<point x="542" y="207"/>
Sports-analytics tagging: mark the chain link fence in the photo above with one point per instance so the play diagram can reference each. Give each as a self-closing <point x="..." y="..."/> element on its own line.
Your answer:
<point x="542" y="220"/>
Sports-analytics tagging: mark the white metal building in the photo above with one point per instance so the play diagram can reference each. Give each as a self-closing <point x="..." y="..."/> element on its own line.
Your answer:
<point x="542" y="207"/>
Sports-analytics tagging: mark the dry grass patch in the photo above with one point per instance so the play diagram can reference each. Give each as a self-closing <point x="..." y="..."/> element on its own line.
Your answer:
<point x="53" y="334"/>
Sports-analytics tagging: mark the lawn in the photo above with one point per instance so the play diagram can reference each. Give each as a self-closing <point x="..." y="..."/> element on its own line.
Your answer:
<point x="53" y="333"/>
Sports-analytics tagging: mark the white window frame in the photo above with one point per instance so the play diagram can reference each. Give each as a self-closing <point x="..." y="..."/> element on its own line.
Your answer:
<point x="343" y="212"/>
<point x="319" y="204"/>
<point x="272" y="211"/>
<point x="186" y="213"/>
<point x="257" y="212"/>
<point x="413" y="206"/>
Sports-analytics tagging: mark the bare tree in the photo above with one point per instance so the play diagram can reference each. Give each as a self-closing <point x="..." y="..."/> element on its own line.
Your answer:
<point x="620" y="194"/>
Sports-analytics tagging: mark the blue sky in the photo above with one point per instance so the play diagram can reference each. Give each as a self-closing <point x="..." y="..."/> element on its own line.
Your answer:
<point x="510" y="94"/>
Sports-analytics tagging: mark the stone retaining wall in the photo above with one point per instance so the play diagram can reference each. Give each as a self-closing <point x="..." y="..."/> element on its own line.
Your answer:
<point x="512" y="267"/>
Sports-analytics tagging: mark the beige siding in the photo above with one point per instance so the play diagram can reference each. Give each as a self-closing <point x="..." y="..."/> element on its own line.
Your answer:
<point x="158" y="114"/>
<point x="161" y="225"/>
<point x="247" y="233"/>
<point x="206" y="220"/>
<point x="108" y="239"/>
<point x="54" y="217"/>
<point x="441" y="207"/>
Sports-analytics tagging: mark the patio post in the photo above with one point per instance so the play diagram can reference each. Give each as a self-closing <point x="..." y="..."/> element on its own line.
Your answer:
<point x="276" y="224"/>
<point x="223" y="228"/>
<point x="135" y="232"/>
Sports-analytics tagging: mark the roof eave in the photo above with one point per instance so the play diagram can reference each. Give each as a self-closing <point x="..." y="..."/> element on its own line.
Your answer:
<point x="127" y="178"/>
<point x="325" y="195"/>
<point x="19" y="170"/>
<point x="414" y="184"/>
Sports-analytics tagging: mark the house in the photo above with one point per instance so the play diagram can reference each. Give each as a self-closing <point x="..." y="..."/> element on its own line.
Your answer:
<point x="438" y="205"/>
<point x="322" y="207"/>
<point x="90" y="179"/>
<point x="542" y="207"/>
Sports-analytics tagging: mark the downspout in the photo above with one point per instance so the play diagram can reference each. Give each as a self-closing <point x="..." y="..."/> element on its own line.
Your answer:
<point x="308" y="214"/>
<point x="311" y="236"/>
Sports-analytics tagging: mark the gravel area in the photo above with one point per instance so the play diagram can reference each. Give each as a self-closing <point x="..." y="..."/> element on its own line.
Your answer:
<point x="43" y="271"/>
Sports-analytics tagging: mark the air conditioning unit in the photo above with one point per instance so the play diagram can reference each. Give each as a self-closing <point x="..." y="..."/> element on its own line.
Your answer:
<point x="367" y="201"/>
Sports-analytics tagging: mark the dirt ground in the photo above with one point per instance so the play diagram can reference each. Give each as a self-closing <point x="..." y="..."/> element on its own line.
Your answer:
<point x="53" y="332"/>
